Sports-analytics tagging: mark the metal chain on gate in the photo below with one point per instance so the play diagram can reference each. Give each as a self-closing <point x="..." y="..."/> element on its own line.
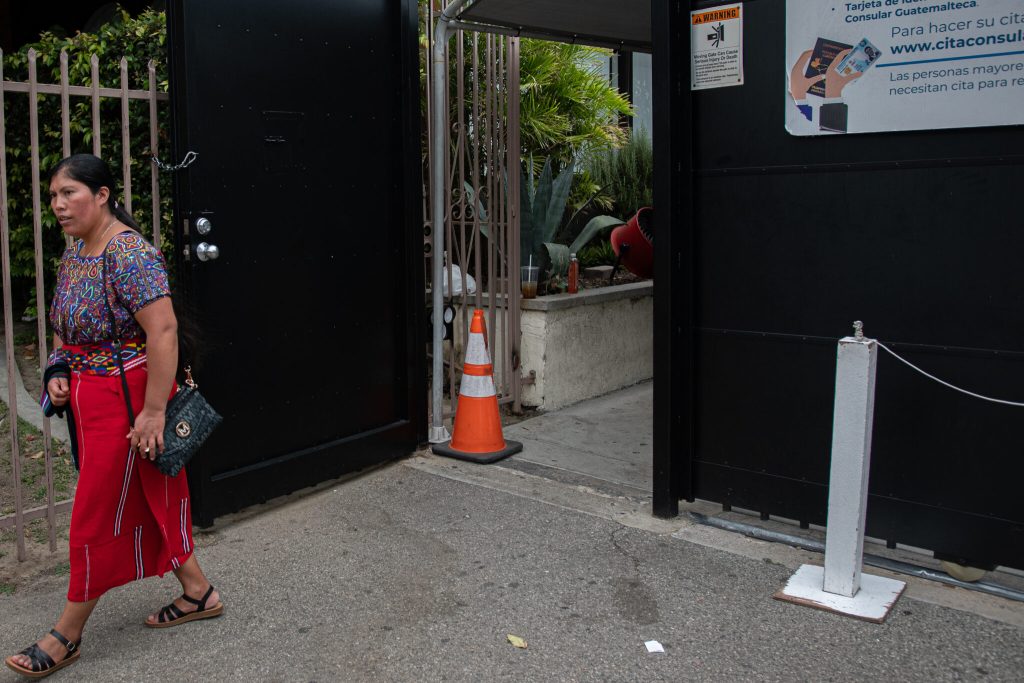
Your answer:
<point x="185" y="163"/>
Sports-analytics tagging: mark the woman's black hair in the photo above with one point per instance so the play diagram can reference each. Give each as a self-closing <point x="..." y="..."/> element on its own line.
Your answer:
<point x="94" y="173"/>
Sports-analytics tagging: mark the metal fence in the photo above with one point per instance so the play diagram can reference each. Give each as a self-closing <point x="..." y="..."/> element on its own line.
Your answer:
<point x="482" y="165"/>
<point x="35" y="90"/>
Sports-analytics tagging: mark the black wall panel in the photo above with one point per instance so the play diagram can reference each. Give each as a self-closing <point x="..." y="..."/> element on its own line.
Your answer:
<point x="919" y="235"/>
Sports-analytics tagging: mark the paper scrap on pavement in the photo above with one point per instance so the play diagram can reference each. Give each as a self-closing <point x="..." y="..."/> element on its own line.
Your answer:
<point x="654" y="646"/>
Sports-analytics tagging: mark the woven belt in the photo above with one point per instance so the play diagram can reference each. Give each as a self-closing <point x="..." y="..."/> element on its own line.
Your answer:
<point x="98" y="358"/>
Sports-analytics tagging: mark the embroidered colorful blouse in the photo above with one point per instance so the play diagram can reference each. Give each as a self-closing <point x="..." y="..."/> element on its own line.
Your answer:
<point x="80" y="313"/>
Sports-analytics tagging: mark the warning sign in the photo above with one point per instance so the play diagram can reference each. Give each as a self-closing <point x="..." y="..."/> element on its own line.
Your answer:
<point x="716" y="15"/>
<point x="716" y="39"/>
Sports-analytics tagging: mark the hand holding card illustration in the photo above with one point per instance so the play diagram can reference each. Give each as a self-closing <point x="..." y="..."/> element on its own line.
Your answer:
<point x="825" y="71"/>
<point x="799" y="82"/>
<point x="835" y="81"/>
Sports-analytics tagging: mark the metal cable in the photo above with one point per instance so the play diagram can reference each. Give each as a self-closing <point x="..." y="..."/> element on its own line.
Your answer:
<point x="877" y="561"/>
<point x="947" y="384"/>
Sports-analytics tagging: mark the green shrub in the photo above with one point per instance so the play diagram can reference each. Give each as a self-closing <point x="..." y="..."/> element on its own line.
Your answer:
<point x="625" y="174"/>
<point x="568" y="107"/>
<point x="139" y="40"/>
<point x="600" y="254"/>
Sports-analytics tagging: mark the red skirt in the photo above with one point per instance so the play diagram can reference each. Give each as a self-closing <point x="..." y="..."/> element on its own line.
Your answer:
<point x="129" y="520"/>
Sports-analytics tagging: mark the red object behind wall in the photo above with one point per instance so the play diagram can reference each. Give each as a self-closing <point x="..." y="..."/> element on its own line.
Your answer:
<point x="633" y="243"/>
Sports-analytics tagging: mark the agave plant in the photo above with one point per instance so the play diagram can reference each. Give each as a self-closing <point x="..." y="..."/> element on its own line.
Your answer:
<point x="559" y="253"/>
<point x="542" y="206"/>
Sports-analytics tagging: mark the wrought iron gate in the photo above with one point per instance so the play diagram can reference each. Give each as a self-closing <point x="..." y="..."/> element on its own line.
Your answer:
<point x="481" y="227"/>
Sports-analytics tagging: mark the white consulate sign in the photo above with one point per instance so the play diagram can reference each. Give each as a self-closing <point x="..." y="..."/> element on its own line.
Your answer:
<point x="889" y="65"/>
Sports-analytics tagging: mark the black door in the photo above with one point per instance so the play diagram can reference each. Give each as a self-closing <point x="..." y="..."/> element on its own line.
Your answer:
<point x="305" y="118"/>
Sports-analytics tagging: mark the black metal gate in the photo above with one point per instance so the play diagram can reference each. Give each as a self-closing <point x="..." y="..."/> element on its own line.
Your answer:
<point x="777" y="244"/>
<point x="305" y="119"/>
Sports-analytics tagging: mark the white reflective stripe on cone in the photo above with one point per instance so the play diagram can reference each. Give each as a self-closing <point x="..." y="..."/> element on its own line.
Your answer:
<point x="476" y="350"/>
<point x="477" y="386"/>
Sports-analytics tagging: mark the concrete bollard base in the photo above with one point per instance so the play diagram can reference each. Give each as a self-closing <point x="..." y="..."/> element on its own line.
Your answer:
<point x="872" y="602"/>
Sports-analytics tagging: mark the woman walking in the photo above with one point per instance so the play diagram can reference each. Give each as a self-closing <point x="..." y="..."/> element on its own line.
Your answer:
<point x="129" y="520"/>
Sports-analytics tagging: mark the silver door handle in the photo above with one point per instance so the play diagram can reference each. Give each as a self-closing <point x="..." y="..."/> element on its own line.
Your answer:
<point x="207" y="252"/>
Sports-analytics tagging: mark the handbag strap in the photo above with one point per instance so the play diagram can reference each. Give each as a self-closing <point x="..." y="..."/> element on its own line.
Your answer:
<point x="117" y="345"/>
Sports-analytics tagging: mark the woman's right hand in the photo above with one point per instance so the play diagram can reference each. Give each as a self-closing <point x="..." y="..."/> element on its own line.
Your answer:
<point x="59" y="391"/>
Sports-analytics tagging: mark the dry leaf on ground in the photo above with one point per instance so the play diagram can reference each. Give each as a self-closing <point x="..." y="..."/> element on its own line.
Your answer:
<point x="517" y="641"/>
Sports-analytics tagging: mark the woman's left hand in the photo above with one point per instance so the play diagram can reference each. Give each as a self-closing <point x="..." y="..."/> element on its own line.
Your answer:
<point x="148" y="434"/>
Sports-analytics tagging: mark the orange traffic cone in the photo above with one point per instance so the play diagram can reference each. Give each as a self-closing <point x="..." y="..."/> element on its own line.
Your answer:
<point x="476" y="435"/>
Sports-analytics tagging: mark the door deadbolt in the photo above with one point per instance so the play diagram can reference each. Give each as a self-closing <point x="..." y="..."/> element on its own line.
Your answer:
<point x="207" y="252"/>
<point x="203" y="226"/>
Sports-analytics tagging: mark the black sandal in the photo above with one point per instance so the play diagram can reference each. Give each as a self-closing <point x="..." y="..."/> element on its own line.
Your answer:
<point x="42" y="663"/>
<point x="171" y="615"/>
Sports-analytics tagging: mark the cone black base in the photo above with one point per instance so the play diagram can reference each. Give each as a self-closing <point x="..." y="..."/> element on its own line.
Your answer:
<point x="446" y="449"/>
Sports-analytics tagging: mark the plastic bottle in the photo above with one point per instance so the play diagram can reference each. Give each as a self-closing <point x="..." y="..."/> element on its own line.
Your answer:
<point x="574" y="274"/>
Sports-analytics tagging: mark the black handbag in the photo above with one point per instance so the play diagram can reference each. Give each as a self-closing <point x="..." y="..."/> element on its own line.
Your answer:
<point x="189" y="418"/>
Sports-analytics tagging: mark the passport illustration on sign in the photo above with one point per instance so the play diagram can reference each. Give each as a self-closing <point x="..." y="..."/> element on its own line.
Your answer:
<point x="825" y="52"/>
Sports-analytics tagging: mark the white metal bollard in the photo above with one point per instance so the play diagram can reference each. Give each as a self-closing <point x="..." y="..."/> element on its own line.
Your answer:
<point x="856" y="361"/>
<point x="840" y="586"/>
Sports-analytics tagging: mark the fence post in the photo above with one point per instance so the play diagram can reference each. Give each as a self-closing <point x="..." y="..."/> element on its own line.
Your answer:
<point x="840" y="586"/>
<point x="852" y="420"/>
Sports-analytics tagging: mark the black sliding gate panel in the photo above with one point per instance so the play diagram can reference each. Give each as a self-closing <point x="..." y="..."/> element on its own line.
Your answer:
<point x="305" y="118"/>
<point x="917" y="234"/>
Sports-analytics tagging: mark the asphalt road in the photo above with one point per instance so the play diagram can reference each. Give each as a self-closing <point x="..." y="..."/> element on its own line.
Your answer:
<point x="406" y="575"/>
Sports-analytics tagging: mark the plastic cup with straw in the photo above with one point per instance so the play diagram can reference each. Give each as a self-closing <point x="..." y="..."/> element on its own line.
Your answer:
<point x="529" y="279"/>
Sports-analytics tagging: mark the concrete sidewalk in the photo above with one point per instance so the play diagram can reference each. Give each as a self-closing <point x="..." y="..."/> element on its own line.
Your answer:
<point x="28" y="406"/>
<point x="605" y="441"/>
<point x="419" y="570"/>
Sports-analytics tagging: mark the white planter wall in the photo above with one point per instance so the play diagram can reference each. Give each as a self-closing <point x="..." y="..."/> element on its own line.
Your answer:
<point x="587" y="344"/>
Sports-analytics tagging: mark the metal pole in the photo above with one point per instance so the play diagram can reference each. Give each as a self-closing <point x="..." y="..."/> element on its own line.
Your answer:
<point x="438" y="433"/>
<point x="856" y="361"/>
<point x="840" y="586"/>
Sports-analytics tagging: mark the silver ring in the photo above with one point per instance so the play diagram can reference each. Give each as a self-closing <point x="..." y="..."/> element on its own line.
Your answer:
<point x="146" y="451"/>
